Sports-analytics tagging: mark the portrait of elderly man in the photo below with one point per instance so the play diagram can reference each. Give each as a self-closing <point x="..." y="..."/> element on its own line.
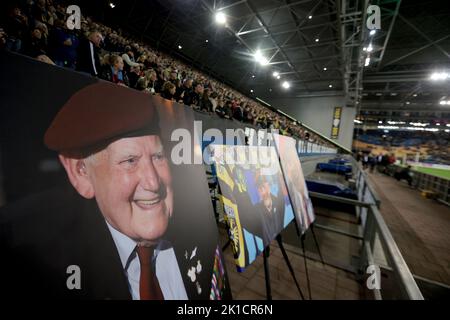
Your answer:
<point x="114" y="218"/>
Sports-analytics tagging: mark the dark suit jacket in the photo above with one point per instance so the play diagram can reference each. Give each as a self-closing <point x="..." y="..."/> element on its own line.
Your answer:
<point x="44" y="234"/>
<point x="84" y="59"/>
<point x="271" y="223"/>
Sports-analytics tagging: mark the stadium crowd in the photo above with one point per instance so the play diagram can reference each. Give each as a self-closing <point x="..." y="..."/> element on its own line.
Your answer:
<point x="38" y="29"/>
<point x="431" y="147"/>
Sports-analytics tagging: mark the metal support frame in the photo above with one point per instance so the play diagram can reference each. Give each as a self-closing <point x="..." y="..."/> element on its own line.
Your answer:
<point x="263" y="24"/>
<point x="416" y="51"/>
<point x="388" y="36"/>
<point x="375" y="225"/>
<point x="433" y="43"/>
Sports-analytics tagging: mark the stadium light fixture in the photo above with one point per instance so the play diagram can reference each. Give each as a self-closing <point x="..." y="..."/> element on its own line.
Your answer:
<point x="388" y="127"/>
<point x="206" y="40"/>
<point x="330" y="86"/>
<point x="286" y="85"/>
<point x="180" y="47"/>
<point x="439" y="76"/>
<point x="251" y="90"/>
<point x="317" y="39"/>
<point x="324" y="68"/>
<point x="220" y="17"/>
<point x="370" y="48"/>
<point x="310" y="17"/>
<point x="260" y="58"/>
<point x="367" y="62"/>
<point x="112" y="5"/>
<point x="372" y="32"/>
<point x="275" y="74"/>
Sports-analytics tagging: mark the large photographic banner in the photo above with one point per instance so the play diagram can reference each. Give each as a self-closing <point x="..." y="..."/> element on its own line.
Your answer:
<point x="255" y="198"/>
<point x="295" y="181"/>
<point x="95" y="206"/>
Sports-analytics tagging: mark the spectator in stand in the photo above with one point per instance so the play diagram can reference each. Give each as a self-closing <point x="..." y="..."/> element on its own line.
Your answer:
<point x="114" y="72"/>
<point x="187" y="88"/>
<point x="262" y="120"/>
<point x="213" y="100"/>
<point x="128" y="58"/>
<point x="142" y="85"/>
<point x="168" y="91"/>
<point x="154" y="85"/>
<point x="134" y="75"/>
<point x="196" y="96"/>
<point x="16" y="27"/>
<point x="228" y="110"/>
<point x="52" y="16"/>
<point x="87" y="55"/>
<point x="205" y="104"/>
<point x="173" y="77"/>
<point x="179" y="92"/>
<point x="220" y="110"/>
<point x="3" y="37"/>
<point x="39" y="11"/>
<point x="34" y="46"/>
<point x="63" y="45"/>
<point x="237" y="112"/>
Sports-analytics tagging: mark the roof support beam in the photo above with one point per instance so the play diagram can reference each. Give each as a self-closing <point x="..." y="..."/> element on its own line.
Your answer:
<point x="263" y="24"/>
<point x="433" y="43"/>
<point x="388" y="36"/>
<point x="416" y="51"/>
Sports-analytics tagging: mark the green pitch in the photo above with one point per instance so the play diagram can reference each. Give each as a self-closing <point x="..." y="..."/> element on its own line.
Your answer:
<point x="442" y="173"/>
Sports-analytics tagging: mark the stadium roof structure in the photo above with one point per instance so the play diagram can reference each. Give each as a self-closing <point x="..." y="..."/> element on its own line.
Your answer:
<point x="315" y="45"/>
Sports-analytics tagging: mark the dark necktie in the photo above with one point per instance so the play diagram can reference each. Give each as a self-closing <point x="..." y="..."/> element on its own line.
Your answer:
<point x="148" y="283"/>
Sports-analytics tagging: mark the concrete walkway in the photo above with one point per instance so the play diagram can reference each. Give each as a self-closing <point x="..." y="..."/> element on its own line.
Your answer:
<point x="420" y="227"/>
<point x="327" y="283"/>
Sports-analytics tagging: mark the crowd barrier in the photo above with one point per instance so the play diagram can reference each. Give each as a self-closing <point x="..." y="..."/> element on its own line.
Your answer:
<point x="376" y="239"/>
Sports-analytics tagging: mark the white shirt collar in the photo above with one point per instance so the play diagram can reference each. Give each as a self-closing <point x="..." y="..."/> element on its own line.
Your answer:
<point x="124" y="244"/>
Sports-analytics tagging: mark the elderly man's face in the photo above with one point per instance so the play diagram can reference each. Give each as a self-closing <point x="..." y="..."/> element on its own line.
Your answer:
<point x="133" y="186"/>
<point x="96" y="38"/>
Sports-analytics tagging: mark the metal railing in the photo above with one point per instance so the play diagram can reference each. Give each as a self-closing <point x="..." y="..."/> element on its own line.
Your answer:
<point x="428" y="182"/>
<point x="439" y="186"/>
<point x="375" y="229"/>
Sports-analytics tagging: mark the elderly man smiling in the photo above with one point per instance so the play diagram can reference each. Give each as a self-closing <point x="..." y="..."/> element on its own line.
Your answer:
<point x="108" y="141"/>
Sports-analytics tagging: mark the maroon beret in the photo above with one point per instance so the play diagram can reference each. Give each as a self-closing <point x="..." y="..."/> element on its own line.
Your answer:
<point x="99" y="114"/>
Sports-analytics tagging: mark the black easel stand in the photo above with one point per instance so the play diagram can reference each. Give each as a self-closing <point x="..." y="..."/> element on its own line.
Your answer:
<point x="286" y="258"/>
<point x="302" y="239"/>
<point x="266" y="253"/>
<point x="317" y="244"/>
<point x="225" y="246"/>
